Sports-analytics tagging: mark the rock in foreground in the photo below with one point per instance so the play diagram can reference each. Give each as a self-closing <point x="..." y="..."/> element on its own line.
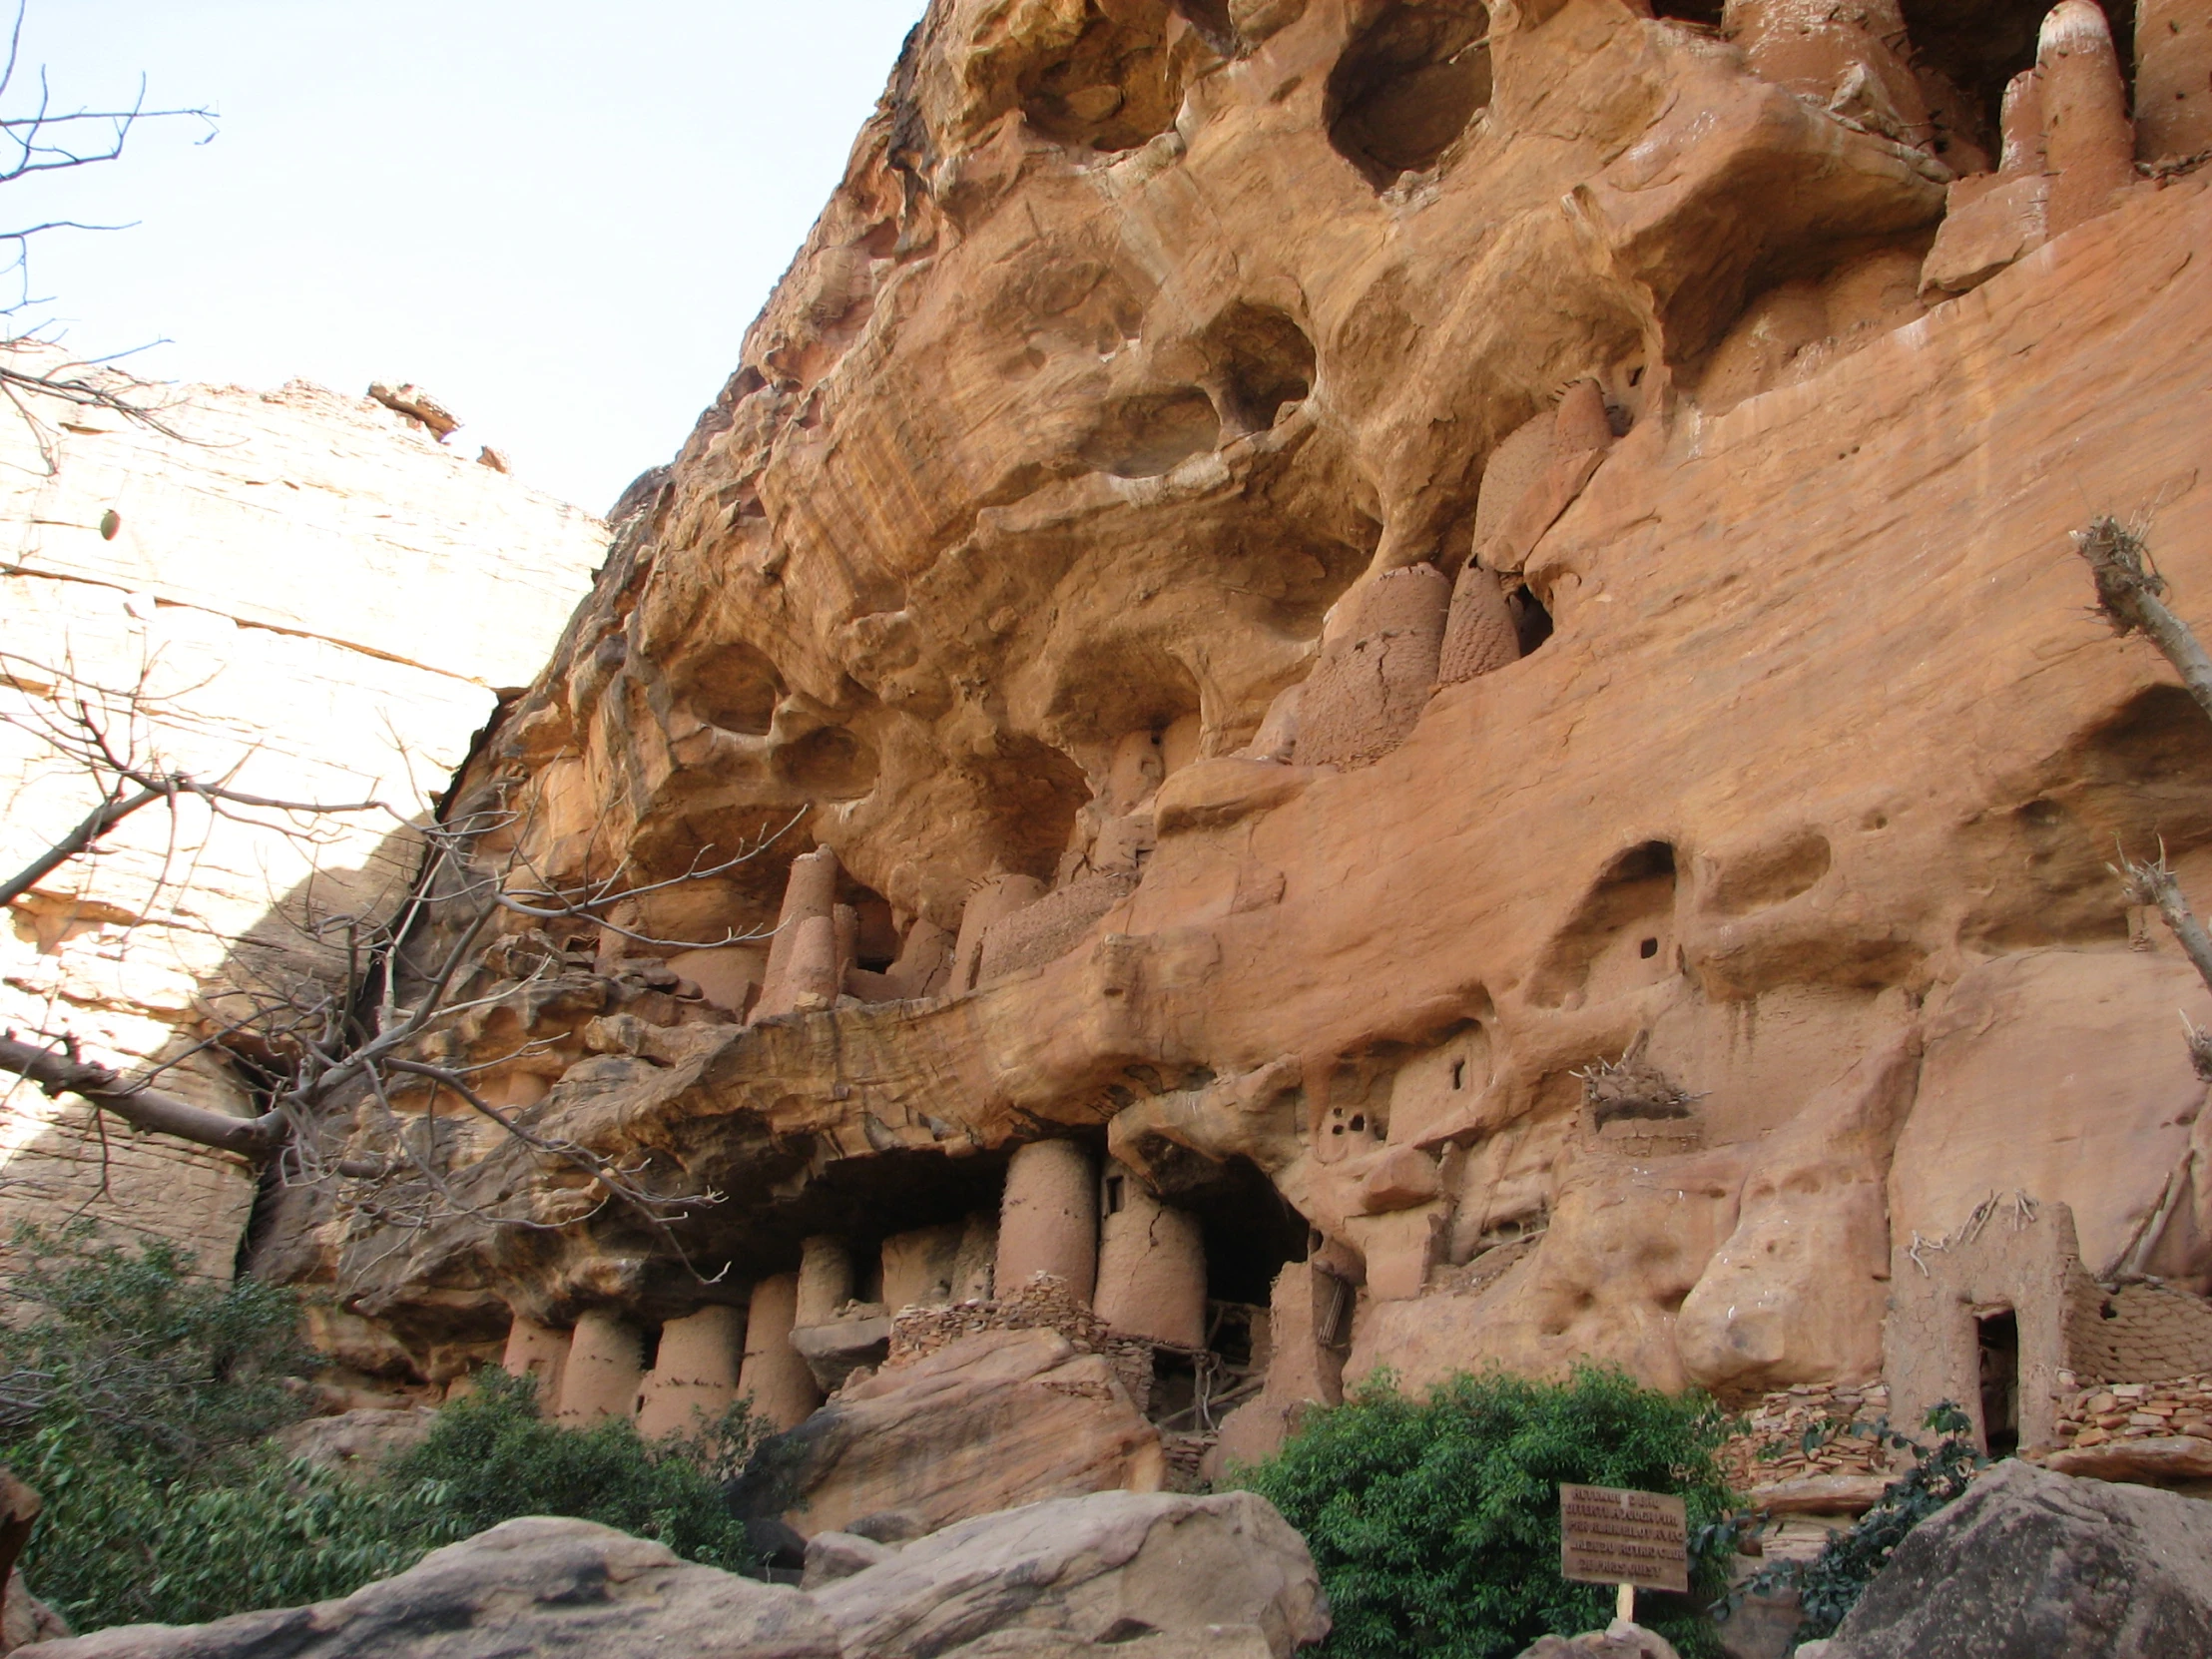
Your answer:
<point x="1619" y="1640"/>
<point x="1158" y="1576"/>
<point x="1110" y="1568"/>
<point x="2031" y="1565"/>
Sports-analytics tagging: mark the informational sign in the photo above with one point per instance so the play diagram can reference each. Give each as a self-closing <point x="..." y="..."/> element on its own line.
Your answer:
<point x="1611" y="1536"/>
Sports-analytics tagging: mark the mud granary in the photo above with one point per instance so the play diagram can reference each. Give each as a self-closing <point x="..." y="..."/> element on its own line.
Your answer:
<point x="1417" y="696"/>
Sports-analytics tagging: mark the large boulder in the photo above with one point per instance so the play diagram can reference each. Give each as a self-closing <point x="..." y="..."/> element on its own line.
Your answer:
<point x="26" y="1619"/>
<point x="357" y="1442"/>
<point x="1111" y="1576"/>
<point x="1109" y="1568"/>
<point x="1621" y="1639"/>
<point x="2033" y="1565"/>
<point x="540" y="1587"/>
<point x="993" y="1421"/>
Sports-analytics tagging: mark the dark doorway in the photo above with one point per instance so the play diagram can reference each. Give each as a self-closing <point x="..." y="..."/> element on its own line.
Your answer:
<point x="1997" y="1336"/>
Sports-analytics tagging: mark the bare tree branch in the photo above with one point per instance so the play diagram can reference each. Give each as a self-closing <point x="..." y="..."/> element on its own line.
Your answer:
<point x="2131" y="594"/>
<point x="57" y="1072"/>
<point x="389" y="1025"/>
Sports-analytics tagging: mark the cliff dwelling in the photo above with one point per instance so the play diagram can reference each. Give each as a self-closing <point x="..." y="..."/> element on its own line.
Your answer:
<point x="1325" y="802"/>
<point x="1351" y="687"/>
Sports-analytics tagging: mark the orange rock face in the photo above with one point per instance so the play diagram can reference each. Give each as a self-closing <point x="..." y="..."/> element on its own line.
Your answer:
<point x="1461" y="670"/>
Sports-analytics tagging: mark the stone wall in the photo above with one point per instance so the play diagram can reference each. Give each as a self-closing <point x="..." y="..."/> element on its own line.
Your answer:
<point x="322" y="601"/>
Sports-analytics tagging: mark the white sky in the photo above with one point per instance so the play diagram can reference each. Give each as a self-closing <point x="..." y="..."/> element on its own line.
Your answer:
<point x="558" y="216"/>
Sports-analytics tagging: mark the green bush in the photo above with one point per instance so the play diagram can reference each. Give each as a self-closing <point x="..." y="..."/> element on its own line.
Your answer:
<point x="1828" y="1585"/>
<point x="490" y="1457"/>
<point x="137" y="1358"/>
<point x="1436" y="1522"/>
<point x="138" y="1401"/>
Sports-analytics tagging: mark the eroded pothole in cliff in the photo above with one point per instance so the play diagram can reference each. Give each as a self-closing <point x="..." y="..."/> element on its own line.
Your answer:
<point x="1148" y="435"/>
<point x="1409" y="85"/>
<point x="1262" y="360"/>
<point x="1119" y="84"/>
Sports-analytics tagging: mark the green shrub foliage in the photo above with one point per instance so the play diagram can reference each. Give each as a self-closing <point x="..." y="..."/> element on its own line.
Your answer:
<point x="1436" y="1522"/>
<point x="490" y="1457"/>
<point x="139" y="1399"/>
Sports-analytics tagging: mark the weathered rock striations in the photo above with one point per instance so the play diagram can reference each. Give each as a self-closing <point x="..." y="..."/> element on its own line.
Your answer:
<point x="322" y="605"/>
<point x="1445" y="637"/>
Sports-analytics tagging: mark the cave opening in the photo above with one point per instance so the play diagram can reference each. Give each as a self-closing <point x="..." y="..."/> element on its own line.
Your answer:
<point x="735" y="687"/>
<point x="1265" y="363"/>
<point x="1998" y="1343"/>
<point x="1409" y="85"/>
<point x="1532" y="623"/>
<point x="1704" y="13"/>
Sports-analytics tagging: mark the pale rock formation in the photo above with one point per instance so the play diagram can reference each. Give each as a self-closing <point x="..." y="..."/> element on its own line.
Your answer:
<point x="1797" y="1292"/>
<point x="308" y="587"/>
<point x="356" y="1441"/>
<point x="1619" y="1640"/>
<point x="2112" y="1114"/>
<point x="1145" y="1577"/>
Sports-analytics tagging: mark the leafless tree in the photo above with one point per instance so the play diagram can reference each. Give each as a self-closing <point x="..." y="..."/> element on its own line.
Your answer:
<point x="36" y="137"/>
<point x="356" y="1039"/>
<point x="2131" y="596"/>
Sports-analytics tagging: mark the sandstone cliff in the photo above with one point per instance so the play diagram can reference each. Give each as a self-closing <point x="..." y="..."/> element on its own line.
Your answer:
<point x="1431" y="652"/>
<point x="319" y="601"/>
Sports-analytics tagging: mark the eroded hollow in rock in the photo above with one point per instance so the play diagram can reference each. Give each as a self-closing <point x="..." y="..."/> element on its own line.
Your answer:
<point x="1532" y="623"/>
<point x="832" y="765"/>
<point x="1116" y="87"/>
<point x="1619" y="937"/>
<point x="1771" y="875"/>
<point x="1145" y="437"/>
<point x="733" y="687"/>
<point x="1212" y="21"/>
<point x="1407" y="85"/>
<point x="1032" y="793"/>
<point x="2137" y="780"/>
<point x="1263" y="361"/>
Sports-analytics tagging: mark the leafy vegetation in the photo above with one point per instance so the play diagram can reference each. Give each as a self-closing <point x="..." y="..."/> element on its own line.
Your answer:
<point x="1828" y="1585"/>
<point x="139" y="1401"/>
<point x="490" y="1457"/>
<point x="1436" y="1522"/>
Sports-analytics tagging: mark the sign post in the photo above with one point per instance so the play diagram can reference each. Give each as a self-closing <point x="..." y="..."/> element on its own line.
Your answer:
<point x="1633" y="1540"/>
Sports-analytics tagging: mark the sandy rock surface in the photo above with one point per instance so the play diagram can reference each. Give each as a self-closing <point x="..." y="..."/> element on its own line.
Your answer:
<point x="323" y="604"/>
<point x="1619" y="1640"/>
<point x="2031" y="1563"/>
<point x="990" y="1422"/>
<point x="1162" y="1577"/>
<point x="537" y="1585"/>
<point x="1101" y="1569"/>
